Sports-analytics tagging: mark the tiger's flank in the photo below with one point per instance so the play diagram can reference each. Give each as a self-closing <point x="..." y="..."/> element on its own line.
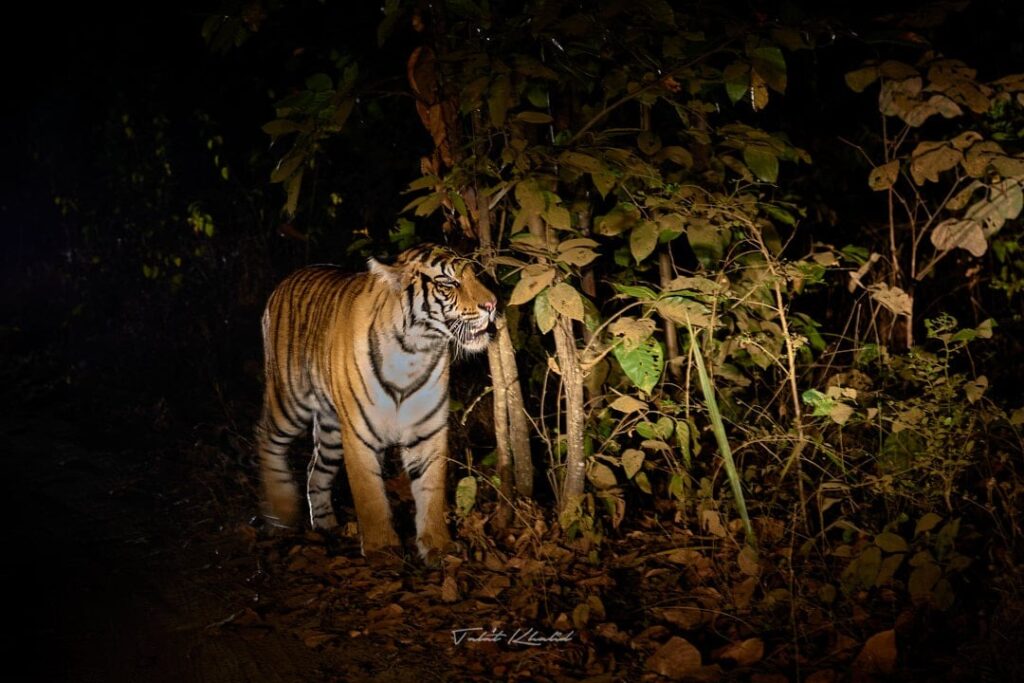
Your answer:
<point x="363" y="360"/>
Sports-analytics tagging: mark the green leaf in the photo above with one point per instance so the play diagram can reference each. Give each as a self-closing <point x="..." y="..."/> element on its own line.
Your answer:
<point x="291" y="161"/>
<point x="643" y="239"/>
<point x="761" y="159"/>
<point x="558" y="218"/>
<point x="737" y="80"/>
<point x="319" y="83"/>
<point x="779" y="214"/>
<point x="770" y="64"/>
<point x="682" y="311"/>
<point x="566" y="300"/>
<point x="391" y="14"/>
<point x="821" y="403"/>
<point x="498" y="100"/>
<point x="676" y="488"/>
<point x="604" y="181"/>
<point x="706" y="242"/>
<point x="860" y="79"/>
<point x="632" y="461"/>
<point x="583" y="162"/>
<point x="891" y="543"/>
<point x="636" y="291"/>
<point x="600" y="475"/>
<point x="544" y="313"/>
<point x="648" y="142"/>
<point x="644" y="364"/>
<point x="537" y="117"/>
<point x="465" y="495"/>
<point x="622" y="217"/>
<point x="279" y="127"/>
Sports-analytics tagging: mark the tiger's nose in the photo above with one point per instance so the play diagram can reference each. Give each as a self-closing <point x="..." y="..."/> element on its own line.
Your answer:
<point x="489" y="305"/>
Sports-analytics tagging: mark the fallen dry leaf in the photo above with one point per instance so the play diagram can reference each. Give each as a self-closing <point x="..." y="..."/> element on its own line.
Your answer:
<point x="743" y="592"/>
<point x="675" y="659"/>
<point x="611" y="633"/>
<point x="878" y="655"/>
<point x="743" y="653"/>
<point x="684" y="617"/>
<point x="449" y="590"/>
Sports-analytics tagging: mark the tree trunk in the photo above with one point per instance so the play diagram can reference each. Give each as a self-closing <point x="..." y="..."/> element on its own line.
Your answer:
<point x="572" y="383"/>
<point x="511" y="429"/>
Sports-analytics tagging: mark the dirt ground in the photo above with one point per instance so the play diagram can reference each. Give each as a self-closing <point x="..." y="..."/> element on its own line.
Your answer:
<point x="134" y="554"/>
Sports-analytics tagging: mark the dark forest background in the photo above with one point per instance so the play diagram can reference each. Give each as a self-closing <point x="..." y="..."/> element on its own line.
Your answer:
<point x="165" y="165"/>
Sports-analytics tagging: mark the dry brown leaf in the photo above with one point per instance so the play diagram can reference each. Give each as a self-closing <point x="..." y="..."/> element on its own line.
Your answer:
<point x="966" y="234"/>
<point x="929" y="159"/>
<point x="383" y="589"/>
<point x="711" y="522"/>
<point x="878" y="655"/>
<point x="892" y="298"/>
<point x="684" y="556"/>
<point x="611" y="633"/>
<point x="675" y="659"/>
<point x="882" y="177"/>
<point x="979" y="156"/>
<point x="493" y="587"/>
<point x="748" y="561"/>
<point x="649" y="638"/>
<point x="743" y="592"/>
<point x="685" y="617"/>
<point x="449" y="590"/>
<point x="743" y="653"/>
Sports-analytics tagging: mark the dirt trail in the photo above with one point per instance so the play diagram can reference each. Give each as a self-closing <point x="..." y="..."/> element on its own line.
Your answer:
<point x="110" y="577"/>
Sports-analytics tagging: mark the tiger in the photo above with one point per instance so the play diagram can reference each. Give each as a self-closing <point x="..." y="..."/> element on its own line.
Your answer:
<point x="363" y="360"/>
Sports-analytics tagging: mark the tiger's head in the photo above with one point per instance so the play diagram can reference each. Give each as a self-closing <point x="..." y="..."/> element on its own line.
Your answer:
<point x="441" y="295"/>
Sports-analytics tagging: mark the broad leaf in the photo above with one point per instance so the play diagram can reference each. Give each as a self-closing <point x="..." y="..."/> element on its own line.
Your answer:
<point x="762" y="160"/>
<point x="966" y="234"/>
<point x="644" y="364"/>
<point x="534" y="278"/>
<point x="882" y="177"/>
<point x="632" y="461"/>
<point x="544" y="313"/>
<point x="566" y="300"/>
<point x="643" y="239"/>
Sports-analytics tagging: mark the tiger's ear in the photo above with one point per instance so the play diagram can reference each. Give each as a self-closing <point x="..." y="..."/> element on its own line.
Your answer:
<point x="389" y="275"/>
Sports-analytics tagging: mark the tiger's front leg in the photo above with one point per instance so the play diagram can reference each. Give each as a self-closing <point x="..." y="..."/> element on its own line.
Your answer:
<point x="426" y="463"/>
<point x="362" y="465"/>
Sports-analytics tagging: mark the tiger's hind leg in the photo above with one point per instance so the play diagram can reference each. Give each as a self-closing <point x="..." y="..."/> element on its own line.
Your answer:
<point x="275" y="432"/>
<point x="323" y="468"/>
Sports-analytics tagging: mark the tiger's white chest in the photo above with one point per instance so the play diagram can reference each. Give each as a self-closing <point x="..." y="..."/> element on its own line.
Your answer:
<point x="408" y="390"/>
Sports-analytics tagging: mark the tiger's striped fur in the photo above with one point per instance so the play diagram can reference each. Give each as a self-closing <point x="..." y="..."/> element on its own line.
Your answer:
<point x="363" y="359"/>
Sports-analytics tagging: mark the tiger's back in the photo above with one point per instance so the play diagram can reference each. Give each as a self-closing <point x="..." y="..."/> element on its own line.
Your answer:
<point x="363" y="360"/>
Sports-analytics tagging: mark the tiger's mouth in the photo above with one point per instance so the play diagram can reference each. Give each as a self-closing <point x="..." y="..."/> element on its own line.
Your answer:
<point x="475" y="337"/>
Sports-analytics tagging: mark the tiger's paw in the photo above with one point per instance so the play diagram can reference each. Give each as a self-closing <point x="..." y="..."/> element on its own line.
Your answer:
<point x="433" y="554"/>
<point x="282" y="516"/>
<point x="387" y="557"/>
